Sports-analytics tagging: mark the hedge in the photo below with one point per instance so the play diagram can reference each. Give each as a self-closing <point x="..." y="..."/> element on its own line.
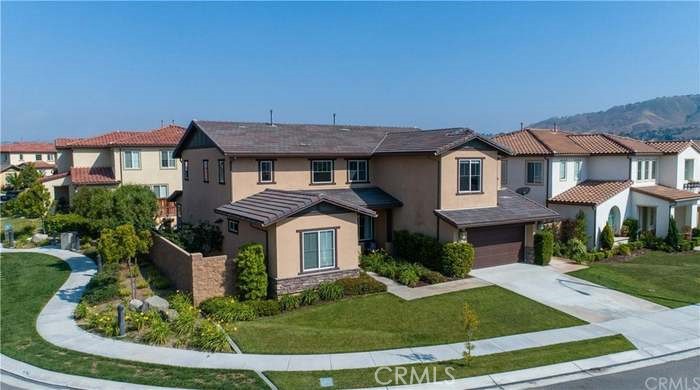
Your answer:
<point x="544" y="247"/>
<point x="251" y="272"/>
<point x="457" y="259"/>
<point x="417" y="248"/>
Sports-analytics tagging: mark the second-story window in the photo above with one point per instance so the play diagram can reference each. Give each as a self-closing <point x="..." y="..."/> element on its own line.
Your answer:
<point x="205" y="171"/>
<point x="266" y="169"/>
<point x="469" y="175"/>
<point x="646" y="170"/>
<point x="186" y="169"/>
<point x="50" y="157"/>
<point x="132" y="159"/>
<point x="577" y="171"/>
<point x="534" y="172"/>
<point x="166" y="159"/>
<point x="5" y="156"/>
<point x="322" y="171"/>
<point x="21" y="156"/>
<point x="689" y="169"/>
<point x="221" y="165"/>
<point x="37" y="157"/>
<point x="358" y="171"/>
<point x="562" y="170"/>
<point x="160" y="190"/>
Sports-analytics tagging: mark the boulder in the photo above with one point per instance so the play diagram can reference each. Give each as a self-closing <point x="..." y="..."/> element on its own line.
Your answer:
<point x="135" y="304"/>
<point x="156" y="303"/>
<point x="171" y="314"/>
<point x="39" y="237"/>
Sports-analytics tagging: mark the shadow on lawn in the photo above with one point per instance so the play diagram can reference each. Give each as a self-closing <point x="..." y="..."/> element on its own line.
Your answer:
<point x="565" y="283"/>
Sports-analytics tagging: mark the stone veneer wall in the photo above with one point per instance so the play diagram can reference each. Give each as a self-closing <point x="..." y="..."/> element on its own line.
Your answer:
<point x="300" y="283"/>
<point x="172" y="261"/>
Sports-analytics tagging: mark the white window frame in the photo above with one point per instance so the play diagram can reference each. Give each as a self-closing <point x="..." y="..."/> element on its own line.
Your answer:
<point x="318" y="250"/>
<point x="168" y="159"/>
<point x="38" y="157"/>
<point x="153" y="187"/>
<point x="504" y="171"/>
<point x="49" y="157"/>
<point x="360" y="219"/>
<point x="233" y="226"/>
<point x="577" y="170"/>
<point x="692" y="169"/>
<point x="261" y="164"/>
<point x="132" y="152"/>
<point x="527" y="171"/>
<point x="469" y="162"/>
<point x="646" y="170"/>
<point x="562" y="169"/>
<point x="313" y="171"/>
<point x="221" y="170"/>
<point x="359" y="171"/>
<point x="205" y="171"/>
<point x="186" y="170"/>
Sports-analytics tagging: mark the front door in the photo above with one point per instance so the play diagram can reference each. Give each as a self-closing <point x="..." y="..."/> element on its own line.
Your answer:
<point x="647" y="219"/>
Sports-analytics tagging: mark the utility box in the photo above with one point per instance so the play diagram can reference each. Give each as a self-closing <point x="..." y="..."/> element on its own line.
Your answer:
<point x="70" y="241"/>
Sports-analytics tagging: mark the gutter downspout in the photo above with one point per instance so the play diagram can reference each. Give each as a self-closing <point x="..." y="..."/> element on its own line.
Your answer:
<point x="595" y="226"/>
<point x="439" y="191"/>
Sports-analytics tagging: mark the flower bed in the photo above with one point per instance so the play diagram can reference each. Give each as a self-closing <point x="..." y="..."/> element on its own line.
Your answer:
<point x="409" y="274"/>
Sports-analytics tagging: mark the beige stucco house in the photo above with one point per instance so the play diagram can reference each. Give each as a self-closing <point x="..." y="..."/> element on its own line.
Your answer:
<point x="41" y="155"/>
<point x="119" y="157"/>
<point x="314" y="195"/>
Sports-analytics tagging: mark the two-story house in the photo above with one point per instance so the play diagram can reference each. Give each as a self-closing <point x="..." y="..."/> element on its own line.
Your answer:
<point x="118" y="157"/>
<point x="608" y="177"/>
<point x="42" y="155"/>
<point x="313" y="195"/>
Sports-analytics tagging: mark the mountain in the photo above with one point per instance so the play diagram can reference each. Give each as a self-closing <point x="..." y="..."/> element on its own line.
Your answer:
<point x="675" y="117"/>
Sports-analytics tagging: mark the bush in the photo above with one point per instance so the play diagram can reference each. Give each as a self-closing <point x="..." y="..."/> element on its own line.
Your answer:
<point x="361" y="285"/>
<point x="576" y="250"/>
<point x="373" y="260"/>
<point x="251" y="272"/>
<point x="673" y="237"/>
<point x="309" y="297"/>
<point x="408" y="277"/>
<point x="104" y="286"/>
<point x="685" y="245"/>
<point x="330" y="291"/>
<point x="226" y="309"/>
<point x="157" y="329"/>
<point x="432" y="277"/>
<point x="632" y="227"/>
<point x="185" y="322"/>
<point x="457" y="259"/>
<point x="104" y="322"/>
<point x="556" y="248"/>
<point x="81" y="311"/>
<point x="599" y="256"/>
<point x="209" y="337"/>
<point x="580" y="227"/>
<point x="204" y="237"/>
<point x="59" y="223"/>
<point x="266" y="308"/>
<point x="544" y="247"/>
<point x="607" y="238"/>
<point x="289" y="302"/>
<point x="159" y="282"/>
<point x="625" y="249"/>
<point x="417" y="248"/>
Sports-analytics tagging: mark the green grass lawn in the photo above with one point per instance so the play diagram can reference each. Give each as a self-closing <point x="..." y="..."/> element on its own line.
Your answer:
<point x="480" y="365"/>
<point x="24" y="227"/>
<point x="28" y="280"/>
<point x="384" y="321"/>
<point x="669" y="279"/>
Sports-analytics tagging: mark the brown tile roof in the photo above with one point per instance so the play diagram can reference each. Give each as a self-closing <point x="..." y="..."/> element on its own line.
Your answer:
<point x="522" y="143"/>
<point x="270" y="206"/>
<point x="598" y="144"/>
<point x="558" y="142"/>
<point x="369" y="197"/>
<point x="165" y="136"/>
<point x="634" y="145"/>
<point x="54" y="177"/>
<point x="28" y="147"/>
<point x="39" y="164"/>
<point x="666" y="193"/>
<point x="591" y="192"/>
<point x="435" y="141"/>
<point x="92" y="175"/>
<point x="511" y="208"/>
<point x="673" y="147"/>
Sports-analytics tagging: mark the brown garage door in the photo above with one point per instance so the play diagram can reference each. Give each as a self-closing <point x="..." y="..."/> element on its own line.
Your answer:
<point x="497" y="245"/>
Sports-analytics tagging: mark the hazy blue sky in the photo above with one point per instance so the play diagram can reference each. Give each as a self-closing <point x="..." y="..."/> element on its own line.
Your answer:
<point x="72" y="69"/>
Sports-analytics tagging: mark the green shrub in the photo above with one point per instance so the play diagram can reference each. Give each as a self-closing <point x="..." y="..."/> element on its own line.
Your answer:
<point x="373" y="260"/>
<point x="104" y="322"/>
<point x="185" y="322"/>
<point x="159" y="282"/>
<point x="408" y="277"/>
<point x="81" y="311"/>
<point x="209" y="337"/>
<point x="309" y="297"/>
<point x="227" y="309"/>
<point x="361" y="285"/>
<point x="544" y="247"/>
<point x="59" y="223"/>
<point x="625" y="249"/>
<point x="204" y="237"/>
<point x="632" y="227"/>
<point x="266" y="308"/>
<point x="556" y="248"/>
<point x="104" y="286"/>
<point x="136" y="319"/>
<point x="289" y="302"/>
<point x="157" y="329"/>
<point x="607" y="238"/>
<point x="417" y="248"/>
<point x="599" y="256"/>
<point x="457" y="259"/>
<point x="685" y="245"/>
<point x="328" y="291"/>
<point x="576" y="250"/>
<point x="432" y="277"/>
<point x="673" y="237"/>
<point x="580" y="227"/>
<point x="251" y="272"/>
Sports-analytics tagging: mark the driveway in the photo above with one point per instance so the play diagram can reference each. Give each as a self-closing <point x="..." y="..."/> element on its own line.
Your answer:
<point x="582" y="299"/>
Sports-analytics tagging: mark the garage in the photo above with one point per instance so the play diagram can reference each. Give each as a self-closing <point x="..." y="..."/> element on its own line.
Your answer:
<point x="497" y="245"/>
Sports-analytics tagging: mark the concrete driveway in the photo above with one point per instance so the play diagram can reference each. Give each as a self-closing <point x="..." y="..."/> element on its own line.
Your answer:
<point x="582" y="299"/>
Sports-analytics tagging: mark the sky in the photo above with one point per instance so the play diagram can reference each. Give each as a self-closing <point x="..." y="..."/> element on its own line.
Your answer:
<point x="78" y="69"/>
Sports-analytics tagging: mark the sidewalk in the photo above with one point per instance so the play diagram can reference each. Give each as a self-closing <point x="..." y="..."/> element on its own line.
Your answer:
<point x="410" y="293"/>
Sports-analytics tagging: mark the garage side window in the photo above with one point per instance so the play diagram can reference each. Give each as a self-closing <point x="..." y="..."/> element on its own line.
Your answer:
<point x="469" y="176"/>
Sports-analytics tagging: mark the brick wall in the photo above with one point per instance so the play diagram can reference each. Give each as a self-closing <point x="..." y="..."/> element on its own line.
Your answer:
<point x="172" y="261"/>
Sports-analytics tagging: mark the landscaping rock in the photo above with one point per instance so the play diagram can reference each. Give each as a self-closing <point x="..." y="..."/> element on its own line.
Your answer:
<point x="171" y="314"/>
<point x="155" y="302"/>
<point x="135" y="304"/>
<point x="39" y="237"/>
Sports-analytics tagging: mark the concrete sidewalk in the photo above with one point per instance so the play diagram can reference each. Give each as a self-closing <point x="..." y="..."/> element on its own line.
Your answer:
<point x="410" y="293"/>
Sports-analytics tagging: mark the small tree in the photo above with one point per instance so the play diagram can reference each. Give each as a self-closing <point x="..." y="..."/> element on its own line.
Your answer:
<point x="607" y="238"/>
<point x="580" y="227"/>
<point x="544" y="246"/>
<point x="673" y="237"/>
<point x="135" y="205"/>
<point x="34" y="202"/>
<point x="457" y="258"/>
<point x="25" y="178"/>
<point x="632" y="228"/>
<point x="119" y="244"/>
<point x="470" y="322"/>
<point x="252" y="275"/>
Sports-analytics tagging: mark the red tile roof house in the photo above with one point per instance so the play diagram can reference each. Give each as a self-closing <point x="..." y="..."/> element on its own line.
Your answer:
<point x="118" y="157"/>
<point x="13" y="156"/>
<point x="608" y="177"/>
<point x="312" y="195"/>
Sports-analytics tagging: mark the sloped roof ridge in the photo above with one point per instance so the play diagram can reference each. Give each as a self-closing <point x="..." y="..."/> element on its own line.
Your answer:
<point x="304" y="124"/>
<point x="544" y="145"/>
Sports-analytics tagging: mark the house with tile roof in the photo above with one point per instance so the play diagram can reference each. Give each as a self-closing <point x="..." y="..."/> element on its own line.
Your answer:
<point x="13" y="156"/>
<point x="315" y="195"/>
<point x="118" y="157"/>
<point x="606" y="176"/>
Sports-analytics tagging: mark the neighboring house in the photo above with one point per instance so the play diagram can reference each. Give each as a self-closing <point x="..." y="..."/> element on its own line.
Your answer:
<point x="118" y="157"/>
<point x="13" y="156"/>
<point x="608" y="177"/>
<point x="313" y="195"/>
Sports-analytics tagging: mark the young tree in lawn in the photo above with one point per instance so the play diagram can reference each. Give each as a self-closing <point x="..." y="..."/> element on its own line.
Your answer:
<point x="25" y="178"/>
<point x="470" y="322"/>
<point x="34" y="202"/>
<point x="123" y="244"/>
<point x="673" y="237"/>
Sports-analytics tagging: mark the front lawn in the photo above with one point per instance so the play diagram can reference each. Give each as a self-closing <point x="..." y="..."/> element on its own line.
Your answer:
<point x="669" y="279"/>
<point x="28" y="280"/>
<point x="384" y="321"/>
<point x="480" y="365"/>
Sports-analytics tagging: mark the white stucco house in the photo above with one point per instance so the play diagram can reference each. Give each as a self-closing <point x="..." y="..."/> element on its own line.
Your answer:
<point x="608" y="177"/>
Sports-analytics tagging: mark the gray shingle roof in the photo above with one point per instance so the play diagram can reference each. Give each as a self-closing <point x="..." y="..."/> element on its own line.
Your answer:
<point x="511" y="208"/>
<point x="369" y="197"/>
<point x="270" y="206"/>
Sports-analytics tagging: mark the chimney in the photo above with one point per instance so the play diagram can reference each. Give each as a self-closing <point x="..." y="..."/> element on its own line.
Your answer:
<point x="271" y="122"/>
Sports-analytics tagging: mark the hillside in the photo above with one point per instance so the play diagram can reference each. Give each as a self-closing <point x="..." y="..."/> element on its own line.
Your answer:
<point x="676" y="117"/>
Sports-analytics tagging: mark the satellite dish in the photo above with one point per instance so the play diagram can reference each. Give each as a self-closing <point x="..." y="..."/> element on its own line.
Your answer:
<point x="523" y="190"/>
